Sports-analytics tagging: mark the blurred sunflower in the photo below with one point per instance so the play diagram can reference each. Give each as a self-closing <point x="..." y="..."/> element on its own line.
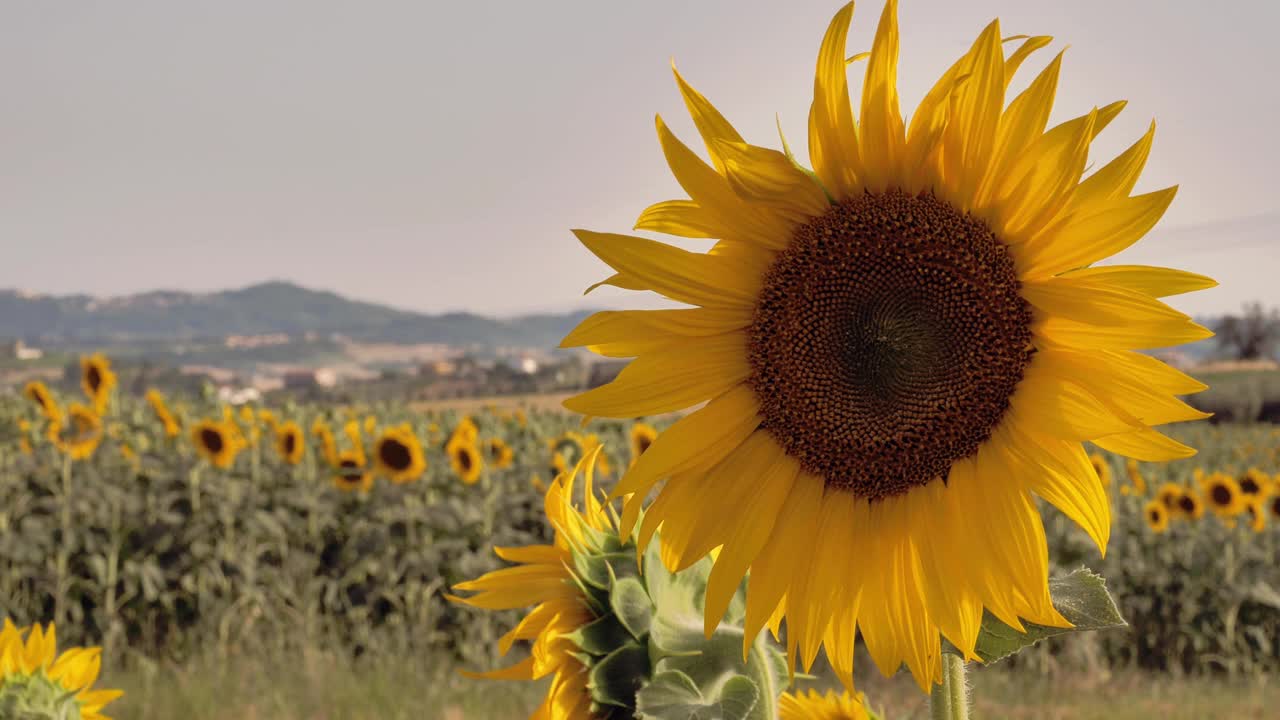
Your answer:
<point x="37" y="682"/>
<point x="352" y="472"/>
<point x="500" y="454"/>
<point x="896" y="351"/>
<point x="24" y="436"/>
<point x="80" y="435"/>
<point x="1168" y="494"/>
<point x="97" y="380"/>
<point x="1157" y="516"/>
<point x="465" y="460"/>
<point x="1274" y="505"/>
<point x="465" y="432"/>
<point x="1189" y="506"/>
<point x="328" y="445"/>
<point x="397" y="454"/>
<point x="1256" y="509"/>
<point x="642" y="436"/>
<point x="828" y="706"/>
<point x="1102" y="468"/>
<point x="370" y="424"/>
<point x="543" y="578"/>
<point x="1222" y="495"/>
<point x="268" y="418"/>
<point x="216" y="441"/>
<point x="1135" y="476"/>
<point x="290" y="442"/>
<point x="161" y="409"/>
<point x="1254" y="482"/>
<point x="38" y="393"/>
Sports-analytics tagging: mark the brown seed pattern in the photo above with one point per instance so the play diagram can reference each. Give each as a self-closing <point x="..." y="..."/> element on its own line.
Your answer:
<point x="212" y="440"/>
<point x="887" y="341"/>
<point x="394" y="454"/>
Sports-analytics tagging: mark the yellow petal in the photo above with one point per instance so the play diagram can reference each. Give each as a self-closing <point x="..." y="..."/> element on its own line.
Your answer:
<point x="1094" y="233"/>
<point x="1116" y="179"/>
<point x="627" y="333"/>
<point x="1061" y="473"/>
<point x="882" y="135"/>
<point x="682" y="218"/>
<point x="710" y="123"/>
<point x="765" y="177"/>
<point x="1146" y="445"/>
<point x="1153" y="281"/>
<point x="1020" y="126"/>
<point x="1062" y="408"/>
<point x="971" y="133"/>
<point x="786" y="555"/>
<point x="833" y="138"/>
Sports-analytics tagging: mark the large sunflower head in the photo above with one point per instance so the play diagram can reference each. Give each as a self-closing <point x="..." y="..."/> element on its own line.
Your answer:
<point x="896" y="350"/>
<point x="80" y="434"/>
<point x="397" y="454"/>
<point x="830" y="705"/>
<point x="217" y="441"/>
<point x="351" y="471"/>
<point x="172" y="428"/>
<point x="38" y="393"/>
<point x="290" y="442"/>
<point x="465" y="460"/>
<point x="35" y="681"/>
<point x="97" y="379"/>
<point x="1156" y="513"/>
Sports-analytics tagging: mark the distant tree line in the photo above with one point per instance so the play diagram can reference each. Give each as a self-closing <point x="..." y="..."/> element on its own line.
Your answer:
<point x="1251" y="335"/>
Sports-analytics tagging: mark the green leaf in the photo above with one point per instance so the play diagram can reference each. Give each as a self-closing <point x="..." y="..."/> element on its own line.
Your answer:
<point x="601" y="637"/>
<point x="632" y="605"/>
<point x="1081" y="597"/>
<point x="615" y="679"/>
<point x="673" y="695"/>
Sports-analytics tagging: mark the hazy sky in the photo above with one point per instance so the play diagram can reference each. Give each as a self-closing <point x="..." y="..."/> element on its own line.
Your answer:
<point x="433" y="155"/>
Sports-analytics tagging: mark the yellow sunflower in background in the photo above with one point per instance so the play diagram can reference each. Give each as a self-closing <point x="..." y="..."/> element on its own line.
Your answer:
<point x="465" y="432"/>
<point x="1255" y="508"/>
<point x="66" y="680"/>
<point x="351" y="471"/>
<point x="896" y="351"/>
<point x="217" y="441"/>
<point x="1273" y="505"/>
<point x="267" y="417"/>
<point x="80" y="434"/>
<point x="1222" y="495"/>
<point x="290" y="442"/>
<point x="465" y="460"/>
<point x="328" y="445"/>
<point x="370" y="424"/>
<point x="543" y="580"/>
<point x="827" y="706"/>
<point x="1168" y="494"/>
<point x="1189" y="505"/>
<point x="1102" y="468"/>
<point x="397" y="454"/>
<point x="500" y="455"/>
<point x="1157" y="516"/>
<point x="1139" y="483"/>
<point x="1254" y="483"/>
<point x="97" y="380"/>
<point x="642" y="436"/>
<point x="172" y="428"/>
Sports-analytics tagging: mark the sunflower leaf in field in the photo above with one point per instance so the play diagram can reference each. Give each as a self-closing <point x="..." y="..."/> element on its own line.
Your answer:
<point x="1080" y="596"/>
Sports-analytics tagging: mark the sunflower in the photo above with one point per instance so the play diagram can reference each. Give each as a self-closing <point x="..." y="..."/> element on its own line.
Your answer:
<point x="397" y="454"/>
<point x="1135" y="476"/>
<point x="1157" y="516"/>
<point x="1222" y="495"/>
<point x="1255" y="507"/>
<point x="81" y="438"/>
<point x="642" y="436"/>
<point x="172" y="428"/>
<point x="465" y="460"/>
<point x="499" y="453"/>
<point x="328" y="445"/>
<point x="828" y="706"/>
<point x="268" y="418"/>
<point x="1102" y="468"/>
<point x="24" y="437"/>
<point x="1189" y="505"/>
<point x="38" y="393"/>
<point x="544" y="579"/>
<point x="351" y="472"/>
<point x="896" y="352"/>
<point x="290" y="442"/>
<point x="1254" y="483"/>
<point x="217" y="441"/>
<point x="465" y="432"/>
<point x="97" y="380"/>
<point x="1168" y="494"/>
<point x="35" y="678"/>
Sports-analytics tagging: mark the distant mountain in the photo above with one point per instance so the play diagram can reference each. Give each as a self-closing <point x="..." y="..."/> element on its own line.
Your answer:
<point x="274" y="307"/>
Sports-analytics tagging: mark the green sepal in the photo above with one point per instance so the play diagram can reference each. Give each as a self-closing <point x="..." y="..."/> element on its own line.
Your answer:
<point x="615" y="679"/>
<point x="599" y="570"/>
<point x="1081" y="597"/>
<point x="673" y="694"/>
<point x="600" y="637"/>
<point x="632" y="606"/>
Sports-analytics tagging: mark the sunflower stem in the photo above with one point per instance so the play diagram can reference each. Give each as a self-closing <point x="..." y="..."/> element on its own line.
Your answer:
<point x="949" y="700"/>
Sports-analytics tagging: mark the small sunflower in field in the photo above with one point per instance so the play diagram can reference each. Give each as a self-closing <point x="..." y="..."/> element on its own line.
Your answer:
<point x="897" y="352"/>
<point x="370" y="424"/>
<point x="38" y="393"/>
<point x="830" y="705"/>
<point x="1255" y="509"/>
<point x="290" y="443"/>
<point x="328" y="445"/>
<point x="37" y="682"/>
<point x="351" y="471"/>
<point x="1157" y="516"/>
<point x="466" y="462"/>
<point x="500" y="455"/>
<point x="569" y="443"/>
<point x="216" y="441"/>
<point x="1102" y="468"/>
<point x="397" y="454"/>
<point x="80" y="434"/>
<point x="642" y="436"/>
<point x="466" y="431"/>
<point x="1254" y="483"/>
<point x="1168" y="494"/>
<point x="1222" y="495"/>
<point x="97" y="380"/>
<point x="1189" y="505"/>
<point x="544" y="579"/>
<point x="268" y="418"/>
<point x="1135" y="476"/>
<point x="159" y="406"/>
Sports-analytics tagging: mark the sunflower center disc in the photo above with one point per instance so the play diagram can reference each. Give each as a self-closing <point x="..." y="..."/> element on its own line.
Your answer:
<point x="394" y="454"/>
<point x="887" y="341"/>
<point x="212" y="440"/>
